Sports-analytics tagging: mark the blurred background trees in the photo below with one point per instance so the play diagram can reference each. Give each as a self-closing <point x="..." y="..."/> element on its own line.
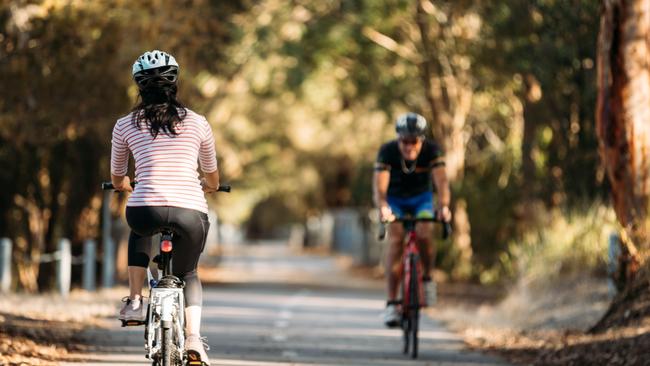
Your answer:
<point x="301" y="94"/>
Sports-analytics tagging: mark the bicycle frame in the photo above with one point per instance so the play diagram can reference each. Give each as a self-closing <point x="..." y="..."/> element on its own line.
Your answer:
<point x="412" y="288"/>
<point x="166" y="311"/>
<point x="165" y="321"/>
<point x="411" y="257"/>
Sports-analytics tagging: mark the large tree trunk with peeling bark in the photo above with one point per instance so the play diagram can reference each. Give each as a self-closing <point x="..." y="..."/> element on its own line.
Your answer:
<point x="623" y="117"/>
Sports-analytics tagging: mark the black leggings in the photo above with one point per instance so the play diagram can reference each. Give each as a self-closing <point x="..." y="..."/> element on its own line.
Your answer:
<point x="190" y="231"/>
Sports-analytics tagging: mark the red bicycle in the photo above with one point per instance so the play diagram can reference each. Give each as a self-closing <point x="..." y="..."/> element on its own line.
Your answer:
<point x="412" y="287"/>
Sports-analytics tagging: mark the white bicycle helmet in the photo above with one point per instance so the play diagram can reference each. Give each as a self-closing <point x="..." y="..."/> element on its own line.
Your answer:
<point x="155" y="65"/>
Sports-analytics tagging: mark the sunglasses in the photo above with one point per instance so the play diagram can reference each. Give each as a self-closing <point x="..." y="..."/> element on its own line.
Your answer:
<point x="409" y="141"/>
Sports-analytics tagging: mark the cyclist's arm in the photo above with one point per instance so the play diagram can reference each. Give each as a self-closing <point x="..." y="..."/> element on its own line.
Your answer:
<point x="441" y="182"/>
<point x="121" y="183"/>
<point x="380" y="182"/>
<point x="211" y="180"/>
<point x="119" y="161"/>
<point x="208" y="159"/>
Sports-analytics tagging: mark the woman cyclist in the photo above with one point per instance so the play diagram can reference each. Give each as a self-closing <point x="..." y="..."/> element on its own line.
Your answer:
<point x="167" y="141"/>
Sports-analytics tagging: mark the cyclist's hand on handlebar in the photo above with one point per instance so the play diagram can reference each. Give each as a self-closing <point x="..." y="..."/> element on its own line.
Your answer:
<point x="386" y="214"/>
<point x="206" y="188"/>
<point x="126" y="185"/>
<point x="444" y="214"/>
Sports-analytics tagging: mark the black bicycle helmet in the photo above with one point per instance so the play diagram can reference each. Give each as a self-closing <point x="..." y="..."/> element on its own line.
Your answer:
<point x="411" y="125"/>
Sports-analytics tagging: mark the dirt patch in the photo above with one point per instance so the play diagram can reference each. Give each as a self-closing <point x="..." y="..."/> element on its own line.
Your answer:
<point x="30" y="341"/>
<point x="41" y="329"/>
<point x="550" y="325"/>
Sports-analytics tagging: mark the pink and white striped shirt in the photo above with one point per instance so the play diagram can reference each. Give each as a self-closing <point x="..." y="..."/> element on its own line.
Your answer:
<point x="165" y="167"/>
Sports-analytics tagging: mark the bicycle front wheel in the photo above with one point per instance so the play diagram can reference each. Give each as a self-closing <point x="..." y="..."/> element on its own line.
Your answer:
<point x="414" y="311"/>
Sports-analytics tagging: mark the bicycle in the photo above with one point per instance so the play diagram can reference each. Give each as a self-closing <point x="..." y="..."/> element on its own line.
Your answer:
<point x="165" y="321"/>
<point x="412" y="288"/>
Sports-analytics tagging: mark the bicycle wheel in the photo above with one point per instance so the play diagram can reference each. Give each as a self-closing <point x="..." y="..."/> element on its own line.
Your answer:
<point x="414" y="307"/>
<point x="406" y="329"/>
<point x="405" y="320"/>
<point x="166" y="345"/>
<point x="170" y="354"/>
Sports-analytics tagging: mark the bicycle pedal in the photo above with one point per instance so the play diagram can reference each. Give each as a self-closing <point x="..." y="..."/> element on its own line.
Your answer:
<point x="132" y="323"/>
<point x="194" y="359"/>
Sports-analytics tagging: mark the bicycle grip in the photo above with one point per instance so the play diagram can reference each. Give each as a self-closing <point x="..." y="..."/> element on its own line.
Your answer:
<point x="109" y="185"/>
<point x="224" y="188"/>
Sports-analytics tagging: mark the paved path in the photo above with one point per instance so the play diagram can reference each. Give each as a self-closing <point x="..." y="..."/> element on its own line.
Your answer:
<point x="292" y="310"/>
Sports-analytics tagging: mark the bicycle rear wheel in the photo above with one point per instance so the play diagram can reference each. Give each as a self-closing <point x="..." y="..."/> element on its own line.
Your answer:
<point x="166" y="345"/>
<point x="170" y="354"/>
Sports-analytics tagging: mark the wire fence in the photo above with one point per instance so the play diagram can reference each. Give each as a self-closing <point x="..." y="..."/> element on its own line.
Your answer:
<point x="64" y="261"/>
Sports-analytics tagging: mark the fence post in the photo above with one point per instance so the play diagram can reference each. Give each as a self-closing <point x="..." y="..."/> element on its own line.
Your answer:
<point x="89" y="265"/>
<point x="64" y="267"/>
<point x="5" y="265"/>
<point x="108" y="262"/>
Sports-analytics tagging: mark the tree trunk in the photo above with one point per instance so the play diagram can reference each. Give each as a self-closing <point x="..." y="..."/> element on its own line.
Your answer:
<point x="623" y="114"/>
<point x="448" y="91"/>
<point x="447" y="88"/>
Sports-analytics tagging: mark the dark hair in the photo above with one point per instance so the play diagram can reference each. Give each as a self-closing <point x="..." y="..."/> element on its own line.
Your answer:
<point x="159" y="109"/>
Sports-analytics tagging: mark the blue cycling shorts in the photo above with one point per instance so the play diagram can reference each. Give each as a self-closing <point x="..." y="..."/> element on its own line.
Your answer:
<point x="420" y="206"/>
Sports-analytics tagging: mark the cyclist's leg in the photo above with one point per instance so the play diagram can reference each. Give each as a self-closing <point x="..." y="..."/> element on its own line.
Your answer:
<point x="423" y="207"/>
<point x="138" y="260"/>
<point x="394" y="254"/>
<point x="191" y="229"/>
<point x="144" y="221"/>
<point x="395" y="248"/>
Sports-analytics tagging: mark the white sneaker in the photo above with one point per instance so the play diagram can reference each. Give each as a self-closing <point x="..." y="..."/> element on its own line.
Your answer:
<point x="196" y="347"/>
<point x="391" y="316"/>
<point x="133" y="310"/>
<point x="431" y="292"/>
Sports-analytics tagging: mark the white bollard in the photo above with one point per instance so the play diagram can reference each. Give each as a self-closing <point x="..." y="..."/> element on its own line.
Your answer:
<point x="108" y="258"/>
<point x="5" y="265"/>
<point x="89" y="265"/>
<point x="64" y="267"/>
<point x="614" y="250"/>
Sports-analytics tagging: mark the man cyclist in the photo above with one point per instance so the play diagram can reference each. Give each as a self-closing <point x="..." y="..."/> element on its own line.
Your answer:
<point x="405" y="172"/>
<point x="168" y="141"/>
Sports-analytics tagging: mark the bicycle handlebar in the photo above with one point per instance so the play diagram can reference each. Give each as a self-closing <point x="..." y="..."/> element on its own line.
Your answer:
<point x="446" y="226"/>
<point x="109" y="185"/>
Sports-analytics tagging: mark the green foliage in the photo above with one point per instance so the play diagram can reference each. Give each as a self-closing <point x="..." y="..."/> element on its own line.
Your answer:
<point x="301" y="94"/>
<point x="565" y="242"/>
<point x="65" y="71"/>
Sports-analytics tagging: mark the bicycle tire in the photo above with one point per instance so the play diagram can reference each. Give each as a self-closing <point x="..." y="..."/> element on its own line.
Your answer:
<point x="414" y="311"/>
<point x="405" y="321"/>
<point x="405" y="328"/>
<point x="166" y="346"/>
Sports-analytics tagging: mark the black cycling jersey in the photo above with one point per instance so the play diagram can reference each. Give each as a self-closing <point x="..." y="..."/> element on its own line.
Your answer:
<point x="407" y="177"/>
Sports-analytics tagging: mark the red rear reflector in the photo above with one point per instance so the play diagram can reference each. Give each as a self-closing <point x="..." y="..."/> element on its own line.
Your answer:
<point x="166" y="246"/>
